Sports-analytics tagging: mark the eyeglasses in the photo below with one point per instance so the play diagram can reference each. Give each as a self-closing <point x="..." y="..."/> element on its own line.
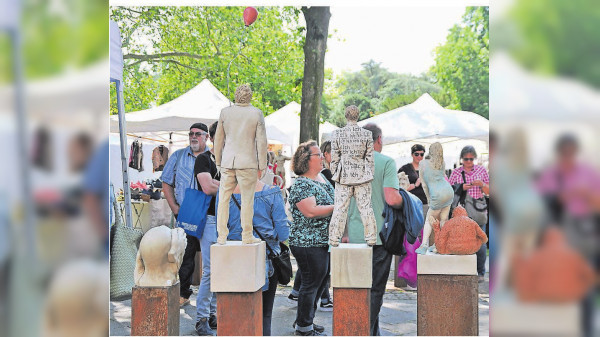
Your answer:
<point x="419" y="154"/>
<point x="316" y="154"/>
<point x="468" y="159"/>
<point x="197" y="134"/>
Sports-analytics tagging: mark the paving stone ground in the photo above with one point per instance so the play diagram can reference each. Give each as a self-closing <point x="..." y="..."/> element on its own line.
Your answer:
<point x="398" y="316"/>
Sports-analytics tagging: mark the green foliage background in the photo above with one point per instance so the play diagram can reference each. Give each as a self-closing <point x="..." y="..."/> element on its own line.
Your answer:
<point x="271" y="59"/>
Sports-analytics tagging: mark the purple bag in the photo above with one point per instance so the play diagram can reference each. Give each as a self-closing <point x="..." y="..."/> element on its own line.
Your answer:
<point x="407" y="267"/>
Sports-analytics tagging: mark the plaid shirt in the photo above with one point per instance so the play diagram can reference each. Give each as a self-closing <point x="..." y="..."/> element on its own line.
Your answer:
<point x="477" y="173"/>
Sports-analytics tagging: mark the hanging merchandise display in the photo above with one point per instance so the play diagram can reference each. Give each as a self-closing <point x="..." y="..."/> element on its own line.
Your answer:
<point x="136" y="156"/>
<point x="160" y="155"/>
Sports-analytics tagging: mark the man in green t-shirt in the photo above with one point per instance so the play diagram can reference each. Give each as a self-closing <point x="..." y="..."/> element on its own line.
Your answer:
<point x="384" y="189"/>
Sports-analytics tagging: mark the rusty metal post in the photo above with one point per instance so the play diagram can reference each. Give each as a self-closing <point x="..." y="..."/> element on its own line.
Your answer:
<point x="447" y="300"/>
<point x="155" y="311"/>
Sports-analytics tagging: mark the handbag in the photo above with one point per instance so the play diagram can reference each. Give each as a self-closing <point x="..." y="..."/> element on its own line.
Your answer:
<point x="124" y="244"/>
<point x="281" y="262"/>
<point x="193" y="209"/>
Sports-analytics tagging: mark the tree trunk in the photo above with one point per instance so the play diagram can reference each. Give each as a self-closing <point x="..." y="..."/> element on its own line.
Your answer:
<point x="317" y="30"/>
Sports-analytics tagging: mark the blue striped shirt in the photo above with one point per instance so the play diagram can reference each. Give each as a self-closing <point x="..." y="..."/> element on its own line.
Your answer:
<point x="185" y="172"/>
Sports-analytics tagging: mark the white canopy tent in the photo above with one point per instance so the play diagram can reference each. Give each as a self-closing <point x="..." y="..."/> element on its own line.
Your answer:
<point x="424" y="122"/>
<point x="283" y="126"/>
<point x="543" y="107"/>
<point x="203" y="103"/>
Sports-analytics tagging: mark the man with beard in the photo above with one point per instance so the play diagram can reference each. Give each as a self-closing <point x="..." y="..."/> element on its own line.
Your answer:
<point x="176" y="177"/>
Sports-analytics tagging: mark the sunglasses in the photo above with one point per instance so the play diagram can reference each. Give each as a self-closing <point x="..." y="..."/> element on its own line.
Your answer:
<point x="468" y="159"/>
<point x="197" y="134"/>
<point x="419" y="154"/>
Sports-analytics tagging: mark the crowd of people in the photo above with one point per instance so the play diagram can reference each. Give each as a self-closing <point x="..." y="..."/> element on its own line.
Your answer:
<point x="311" y="205"/>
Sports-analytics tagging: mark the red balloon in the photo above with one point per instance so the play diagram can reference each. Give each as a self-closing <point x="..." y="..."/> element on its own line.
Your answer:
<point x="250" y="14"/>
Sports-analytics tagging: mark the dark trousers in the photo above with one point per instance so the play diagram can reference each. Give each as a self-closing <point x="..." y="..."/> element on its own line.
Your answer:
<point x="314" y="265"/>
<point x="268" y="297"/>
<point x="298" y="280"/>
<point x="382" y="261"/>
<point x="481" y="257"/>
<point x="186" y="272"/>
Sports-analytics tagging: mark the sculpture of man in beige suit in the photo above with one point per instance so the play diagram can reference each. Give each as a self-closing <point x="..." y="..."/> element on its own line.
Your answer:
<point x="240" y="148"/>
<point x="352" y="166"/>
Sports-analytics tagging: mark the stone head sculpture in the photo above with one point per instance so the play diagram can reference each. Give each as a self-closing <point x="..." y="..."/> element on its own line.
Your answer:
<point x="159" y="257"/>
<point x="243" y="94"/>
<point x="76" y="301"/>
<point x="352" y="113"/>
<point x="404" y="182"/>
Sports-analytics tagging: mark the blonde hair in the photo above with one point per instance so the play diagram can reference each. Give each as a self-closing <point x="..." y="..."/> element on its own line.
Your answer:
<point x="243" y="94"/>
<point x="436" y="151"/>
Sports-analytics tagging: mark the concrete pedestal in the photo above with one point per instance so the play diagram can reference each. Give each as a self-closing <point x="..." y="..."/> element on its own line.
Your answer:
<point x="447" y="297"/>
<point x="351" y="279"/>
<point x="522" y="319"/>
<point x="155" y="311"/>
<point x="237" y="277"/>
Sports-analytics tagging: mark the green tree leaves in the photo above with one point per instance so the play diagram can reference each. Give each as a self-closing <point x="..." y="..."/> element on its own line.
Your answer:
<point x="462" y="63"/>
<point x="169" y="50"/>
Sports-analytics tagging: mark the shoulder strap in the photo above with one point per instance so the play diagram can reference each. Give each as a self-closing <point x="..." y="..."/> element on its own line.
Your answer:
<point x="257" y="233"/>
<point x="464" y="192"/>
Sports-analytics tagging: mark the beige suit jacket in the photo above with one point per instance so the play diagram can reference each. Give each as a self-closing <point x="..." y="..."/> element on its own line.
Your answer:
<point x="241" y="138"/>
<point x="352" y="160"/>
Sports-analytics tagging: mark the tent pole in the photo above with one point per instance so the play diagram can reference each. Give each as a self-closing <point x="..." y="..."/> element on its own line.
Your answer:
<point x="123" y="137"/>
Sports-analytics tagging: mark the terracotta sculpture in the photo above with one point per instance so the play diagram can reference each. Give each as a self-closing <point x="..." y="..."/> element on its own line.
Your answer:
<point x="438" y="191"/>
<point x="240" y="152"/>
<point x="280" y="161"/>
<point x="460" y="235"/>
<point x="159" y="257"/>
<point x="553" y="273"/>
<point x="352" y="166"/>
<point x="76" y="302"/>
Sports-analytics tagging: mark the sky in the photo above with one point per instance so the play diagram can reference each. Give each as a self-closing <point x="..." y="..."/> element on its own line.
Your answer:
<point x="401" y="38"/>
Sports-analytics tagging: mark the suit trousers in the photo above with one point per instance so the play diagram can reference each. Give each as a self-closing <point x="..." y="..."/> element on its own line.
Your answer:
<point x="230" y="178"/>
<point x="343" y="194"/>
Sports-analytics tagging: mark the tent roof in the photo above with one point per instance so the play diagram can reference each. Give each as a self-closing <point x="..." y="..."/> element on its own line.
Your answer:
<point x="203" y="103"/>
<point x="425" y="118"/>
<point x="517" y="94"/>
<point x="283" y="125"/>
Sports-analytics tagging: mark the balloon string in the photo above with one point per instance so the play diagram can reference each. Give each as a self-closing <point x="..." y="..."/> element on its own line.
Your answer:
<point x="242" y="44"/>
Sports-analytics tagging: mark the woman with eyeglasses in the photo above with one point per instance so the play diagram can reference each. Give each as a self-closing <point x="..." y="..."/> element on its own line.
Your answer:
<point x="311" y="203"/>
<point x="411" y="169"/>
<point x="476" y="183"/>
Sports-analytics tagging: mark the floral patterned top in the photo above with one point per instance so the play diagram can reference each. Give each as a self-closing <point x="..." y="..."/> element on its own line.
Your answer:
<point x="306" y="232"/>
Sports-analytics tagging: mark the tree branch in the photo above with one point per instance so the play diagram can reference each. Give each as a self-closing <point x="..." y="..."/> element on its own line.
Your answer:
<point x="211" y="39"/>
<point x="161" y="55"/>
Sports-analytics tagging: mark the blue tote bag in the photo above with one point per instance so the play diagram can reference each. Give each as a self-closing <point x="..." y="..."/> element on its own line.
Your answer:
<point x="193" y="209"/>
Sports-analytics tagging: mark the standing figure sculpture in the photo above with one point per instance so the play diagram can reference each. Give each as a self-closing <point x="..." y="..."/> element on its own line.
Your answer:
<point x="352" y="166"/>
<point x="279" y="160"/>
<point x="240" y="152"/>
<point x="438" y="190"/>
